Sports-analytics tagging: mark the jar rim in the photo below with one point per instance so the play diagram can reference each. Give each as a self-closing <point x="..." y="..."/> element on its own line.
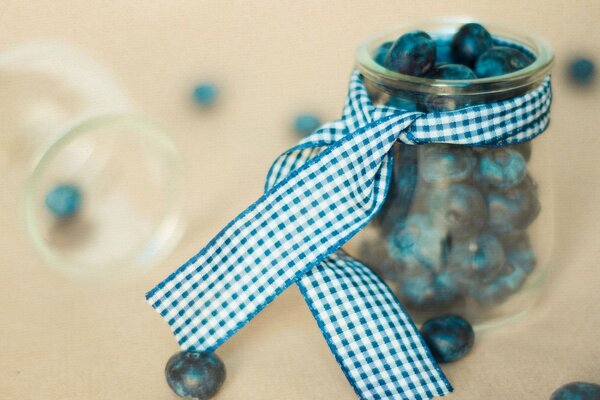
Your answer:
<point x="521" y="81"/>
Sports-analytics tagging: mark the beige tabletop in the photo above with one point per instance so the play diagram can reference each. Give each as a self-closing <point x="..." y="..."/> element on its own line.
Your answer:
<point x="61" y="339"/>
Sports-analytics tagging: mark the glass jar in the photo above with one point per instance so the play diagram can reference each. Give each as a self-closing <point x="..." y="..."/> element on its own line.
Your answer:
<point x="459" y="234"/>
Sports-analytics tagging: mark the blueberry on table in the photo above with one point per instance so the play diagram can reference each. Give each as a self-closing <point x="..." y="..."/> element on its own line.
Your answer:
<point x="64" y="200"/>
<point x="476" y="260"/>
<point x="195" y="374"/>
<point x="449" y="337"/>
<point x="443" y="163"/>
<point x="459" y="208"/>
<point x="205" y="94"/>
<point x="381" y="52"/>
<point x="501" y="60"/>
<point x="582" y="71"/>
<point x="416" y="243"/>
<point x="470" y="42"/>
<point x="412" y="54"/>
<point x="451" y="72"/>
<point x="577" y="391"/>
<point x="515" y="209"/>
<point x="500" y="169"/>
<point x="306" y="123"/>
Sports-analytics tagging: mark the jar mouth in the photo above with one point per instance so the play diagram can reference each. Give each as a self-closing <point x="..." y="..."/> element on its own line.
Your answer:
<point x="499" y="87"/>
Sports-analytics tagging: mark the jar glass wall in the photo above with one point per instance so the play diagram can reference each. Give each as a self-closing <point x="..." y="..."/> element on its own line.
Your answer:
<point x="467" y="230"/>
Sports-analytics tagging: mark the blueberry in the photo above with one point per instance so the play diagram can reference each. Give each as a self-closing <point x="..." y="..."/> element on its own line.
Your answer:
<point x="510" y="279"/>
<point x="500" y="169"/>
<point x="64" y="200"/>
<point x="501" y="60"/>
<point x="402" y="104"/>
<point x="306" y="123"/>
<point x="381" y="52"/>
<point x="577" y="391"/>
<point x="519" y="252"/>
<point x="470" y="42"/>
<point x="195" y="374"/>
<point x="582" y="71"/>
<point x="443" y="50"/>
<point x="449" y="337"/>
<point x="443" y="163"/>
<point x="451" y="72"/>
<point x="412" y="53"/>
<point x="416" y="244"/>
<point x="205" y="94"/>
<point x="515" y="209"/>
<point x="523" y="148"/>
<point x="402" y="189"/>
<point x="427" y="292"/>
<point x="476" y="260"/>
<point x="459" y="208"/>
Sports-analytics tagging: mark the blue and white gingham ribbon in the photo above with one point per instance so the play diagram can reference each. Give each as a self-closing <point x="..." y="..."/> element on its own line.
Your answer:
<point x="317" y="196"/>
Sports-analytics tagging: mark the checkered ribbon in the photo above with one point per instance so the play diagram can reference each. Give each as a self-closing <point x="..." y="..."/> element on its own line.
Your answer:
<point x="317" y="196"/>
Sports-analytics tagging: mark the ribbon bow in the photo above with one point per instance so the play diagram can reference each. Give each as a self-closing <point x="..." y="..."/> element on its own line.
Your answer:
<point x="317" y="196"/>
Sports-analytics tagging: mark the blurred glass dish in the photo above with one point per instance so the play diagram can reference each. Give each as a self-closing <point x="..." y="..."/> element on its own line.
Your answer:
<point x="65" y="122"/>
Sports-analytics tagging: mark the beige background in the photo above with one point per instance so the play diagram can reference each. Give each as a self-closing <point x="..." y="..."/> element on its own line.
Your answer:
<point x="63" y="340"/>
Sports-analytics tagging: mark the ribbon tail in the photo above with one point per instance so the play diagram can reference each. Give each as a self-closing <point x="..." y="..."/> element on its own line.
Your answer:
<point x="373" y="339"/>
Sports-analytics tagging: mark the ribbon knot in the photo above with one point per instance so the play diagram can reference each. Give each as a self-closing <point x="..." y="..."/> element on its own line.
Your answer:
<point x="317" y="196"/>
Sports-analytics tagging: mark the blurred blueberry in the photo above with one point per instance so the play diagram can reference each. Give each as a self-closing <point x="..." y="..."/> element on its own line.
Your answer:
<point x="510" y="279"/>
<point x="519" y="252"/>
<point x="205" y="93"/>
<point x="449" y="337"/>
<point x="64" y="200"/>
<point x="195" y="374"/>
<point x="476" y="260"/>
<point x="402" y="189"/>
<point x="442" y="50"/>
<point x="451" y="72"/>
<point x="417" y="244"/>
<point x="470" y="42"/>
<point x="501" y="60"/>
<point x="427" y="292"/>
<point x="500" y="169"/>
<point x="412" y="53"/>
<point x="443" y="163"/>
<point x="582" y="70"/>
<point x="402" y="104"/>
<point x="577" y="391"/>
<point x="306" y="123"/>
<point x="381" y="52"/>
<point x="459" y="208"/>
<point x="515" y="209"/>
<point x="523" y="148"/>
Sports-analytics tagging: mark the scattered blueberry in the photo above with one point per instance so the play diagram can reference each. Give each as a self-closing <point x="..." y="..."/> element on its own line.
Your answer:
<point x="449" y="337"/>
<point x="427" y="292"/>
<point x="501" y="60"/>
<point x="476" y="260"/>
<point x="195" y="374"/>
<point x="205" y="93"/>
<point x="306" y="123"/>
<point x="470" y="42"/>
<point x="500" y="169"/>
<point x="64" y="200"/>
<point x="412" y="53"/>
<point x="417" y="244"/>
<point x="582" y="71"/>
<point x="577" y="391"/>
<point x="451" y="72"/>
<point x="381" y="52"/>
<point x="459" y="208"/>
<point x="515" y="209"/>
<point x="443" y="163"/>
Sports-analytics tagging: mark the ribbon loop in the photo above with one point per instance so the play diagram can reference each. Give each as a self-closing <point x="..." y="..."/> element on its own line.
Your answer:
<point x="317" y="196"/>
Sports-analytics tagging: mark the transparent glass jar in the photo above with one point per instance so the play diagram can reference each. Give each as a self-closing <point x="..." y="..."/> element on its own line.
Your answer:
<point x="456" y="236"/>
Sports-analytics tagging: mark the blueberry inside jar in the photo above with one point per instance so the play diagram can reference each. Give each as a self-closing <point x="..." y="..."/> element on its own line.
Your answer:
<point x="484" y="214"/>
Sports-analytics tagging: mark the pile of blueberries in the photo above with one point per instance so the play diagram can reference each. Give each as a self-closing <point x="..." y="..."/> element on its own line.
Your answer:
<point x="471" y="53"/>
